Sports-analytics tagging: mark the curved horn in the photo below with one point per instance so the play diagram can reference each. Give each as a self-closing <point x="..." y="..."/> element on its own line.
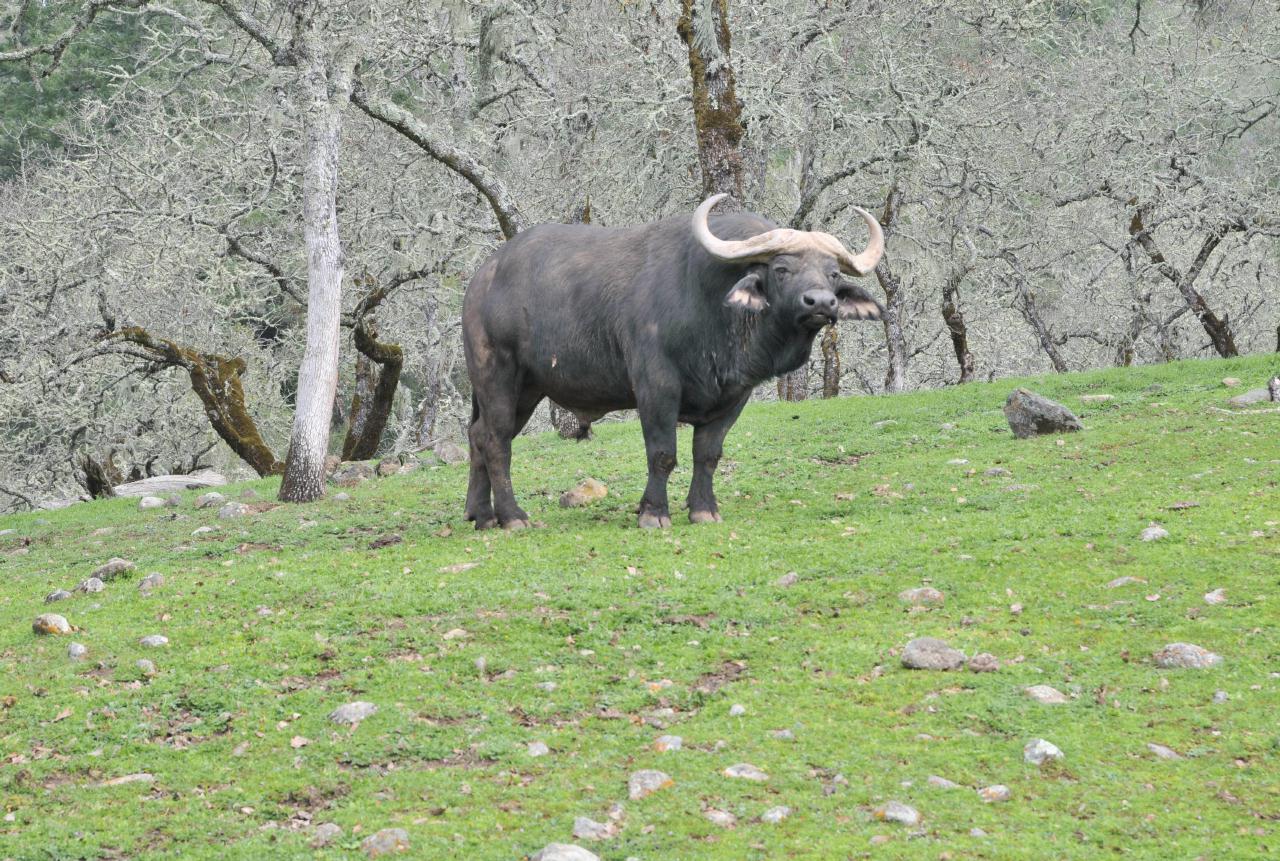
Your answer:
<point x="784" y="240"/>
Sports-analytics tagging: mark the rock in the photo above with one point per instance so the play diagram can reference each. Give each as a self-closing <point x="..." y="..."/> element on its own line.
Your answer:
<point x="1253" y="396"/>
<point x="57" y="595"/>
<point x="1163" y="752"/>
<point x="1125" y="581"/>
<point x="997" y="472"/>
<point x="774" y="815"/>
<point x="1096" y="399"/>
<point x="997" y="792"/>
<point x="1045" y="694"/>
<point x="388" y="841"/>
<point x="77" y="651"/>
<point x="161" y="484"/>
<point x="786" y="581"/>
<point x="456" y="634"/>
<point x="1038" y="751"/>
<point x="647" y="782"/>
<point x="1217" y="596"/>
<point x="588" y="829"/>
<point x="341" y="496"/>
<point x="745" y="771"/>
<point x="202" y="530"/>
<point x="783" y="734"/>
<point x="1230" y="382"/>
<point x="957" y="461"/>
<point x="172" y="501"/>
<point x="89" y="586"/>
<point x="325" y="833"/>
<point x="451" y="454"/>
<point x="546" y="686"/>
<point x="896" y="811"/>
<point x="563" y="852"/>
<point x="154" y="580"/>
<point x="1030" y="414"/>
<point x="140" y="777"/>
<point x="351" y="474"/>
<point x="588" y="490"/>
<point x="209" y="500"/>
<point x="248" y="494"/>
<point x="921" y="595"/>
<point x="146" y="667"/>
<point x="233" y="509"/>
<point x="1154" y="533"/>
<point x="154" y="641"/>
<point x="928" y="653"/>
<point x="150" y="502"/>
<point x="668" y="743"/>
<point x="387" y="466"/>
<point x="977" y="832"/>
<point x="942" y="782"/>
<point x="1185" y="656"/>
<point x="113" y="568"/>
<point x="984" y="662"/>
<point x="723" y="818"/>
<point x="538" y="748"/>
<point x="51" y="623"/>
<point x="737" y="710"/>
<point x="353" y="713"/>
<point x="1221" y="697"/>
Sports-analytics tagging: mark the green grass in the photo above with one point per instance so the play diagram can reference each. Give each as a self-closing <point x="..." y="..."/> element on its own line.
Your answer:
<point x="602" y="609"/>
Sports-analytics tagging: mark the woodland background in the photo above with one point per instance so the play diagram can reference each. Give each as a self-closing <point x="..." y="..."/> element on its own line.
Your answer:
<point x="1064" y="185"/>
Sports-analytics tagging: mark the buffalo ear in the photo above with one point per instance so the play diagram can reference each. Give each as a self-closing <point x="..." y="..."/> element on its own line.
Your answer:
<point x="747" y="295"/>
<point x="857" y="304"/>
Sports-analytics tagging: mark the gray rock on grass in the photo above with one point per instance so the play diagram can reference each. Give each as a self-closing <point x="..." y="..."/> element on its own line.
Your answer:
<point x="1030" y="414"/>
<point x="563" y="852"/>
<point x="233" y="509"/>
<point x="746" y="771"/>
<point x="147" y="502"/>
<point x="353" y="713"/>
<point x="1038" y="751"/>
<point x="325" y="833"/>
<point x="723" y="818"/>
<point x="388" y="841"/>
<point x="211" y="499"/>
<point x="1154" y="532"/>
<point x="896" y="811"/>
<point x="646" y="782"/>
<point x="451" y="454"/>
<point x="154" y="641"/>
<point x="154" y="580"/>
<point x="929" y="653"/>
<point x="113" y="568"/>
<point x="921" y="595"/>
<point x="1253" y="396"/>
<point x="51" y="624"/>
<point x="774" y="815"/>
<point x="90" y="586"/>
<point x="57" y="595"/>
<point x="585" y="828"/>
<point x="77" y="651"/>
<point x="1046" y="695"/>
<point x="1185" y="656"/>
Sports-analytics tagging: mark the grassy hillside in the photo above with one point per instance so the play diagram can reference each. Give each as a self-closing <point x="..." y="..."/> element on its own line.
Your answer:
<point x="596" y="638"/>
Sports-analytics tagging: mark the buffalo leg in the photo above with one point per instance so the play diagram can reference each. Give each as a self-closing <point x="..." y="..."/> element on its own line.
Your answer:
<point x="658" y="421"/>
<point x="479" y="491"/>
<point x="708" y="444"/>
<point x="504" y="409"/>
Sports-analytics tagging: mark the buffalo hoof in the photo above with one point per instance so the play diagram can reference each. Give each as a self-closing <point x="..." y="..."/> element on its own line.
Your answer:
<point x="654" y="521"/>
<point x="705" y="517"/>
<point x="489" y="523"/>
<point x="512" y="525"/>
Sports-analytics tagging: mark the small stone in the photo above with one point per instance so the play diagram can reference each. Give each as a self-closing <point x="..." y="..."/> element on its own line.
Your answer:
<point x="1125" y="581"/>
<point x="667" y="743"/>
<point x="173" y="500"/>
<point x="387" y="466"/>
<point x="774" y="815"/>
<point x="90" y="585"/>
<point x="325" y="833"/>
<point x="984" y="662"/>
<point x="1154" y="533"/>
<point x="588" y="490"/>
<point x="942" y="782"/>
<point x="1253" y="396"/>
<point x="146" y="667"/>
<point x="783" y="734"/>
<point x="997" y="792"/>
<point x="154" y="580"/>
<point x="150" y="502"/>
<point x="563" y="852"/>
<point x="209" y="500"/>
<point x="1185" y="656"/>
<point x="588" y="829"/>
<point x="113" y="568"/>
<point x="388" y="841"/>
<point x="51" y="623"/>
<point x="1015" y="609"/>
<point x="1217" y="596"/>
<point x="1220" y="697"/>
<point x="745" y="771"/>
<point x="896" y="811"/>
<point x="647" y="782"/>
<point x="341" y="496"/>
<point x="977" y="832"/>
<point x="786" y="581"/>
<point x="928" y="653"/>
<point x="723" y="818"/>
<point x="232" y="510"/>
<point x="353" y="713"/>
<point x="154" y="641"/>
<point x="546" y="686"/>
<point x="76" y="651"/>
<point x="1096" y="399"/>
<point x="921" y="595"/>
<point x="451" y="454"/>
<point x="202" y="530"/>
<point x="1030" y="414"/>
<point x="57" y="595"/>
<point x="1045" y="694"/>
<point x="957" y="461"/>
<point x="351" y="474"/>
<point x="1038" y="751"/>
<point x="1163" y="752"/>
<point x="1230" y="382"/>
<point x="880" y="839"/>
<point x="140" y="777"/>
<point x="737" y="710"/>
<point x="456" y="634"/>
<point x="538" y="748"/>
<point x="998" y="472"/>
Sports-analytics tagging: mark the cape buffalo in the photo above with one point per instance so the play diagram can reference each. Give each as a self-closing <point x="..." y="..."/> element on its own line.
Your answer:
<point x="680" y="319"/>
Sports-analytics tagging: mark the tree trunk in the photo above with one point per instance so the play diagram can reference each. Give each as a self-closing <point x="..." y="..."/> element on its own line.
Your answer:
<point x="717" y="113"/>
<point x="377" y="376"/>
<point x="895" y="377"/>
<point x="1030" y="313"/>
<point x="795" y="385"/>
<point x="325" y="89"/>
<point x="100" y="479"/>
<point x="831" y="362"/>
<point x="956" y="327"/>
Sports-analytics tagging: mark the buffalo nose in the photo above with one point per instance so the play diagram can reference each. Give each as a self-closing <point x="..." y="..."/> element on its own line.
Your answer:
<point x="819" y="301"/>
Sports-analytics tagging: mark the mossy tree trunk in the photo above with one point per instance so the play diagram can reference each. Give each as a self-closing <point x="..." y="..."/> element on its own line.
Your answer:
<point x="377" y="376"/>
<point x="895" y="377"/>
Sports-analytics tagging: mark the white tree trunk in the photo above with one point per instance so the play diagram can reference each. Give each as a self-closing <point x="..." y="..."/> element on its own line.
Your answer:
<point x="326" y="89"/>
